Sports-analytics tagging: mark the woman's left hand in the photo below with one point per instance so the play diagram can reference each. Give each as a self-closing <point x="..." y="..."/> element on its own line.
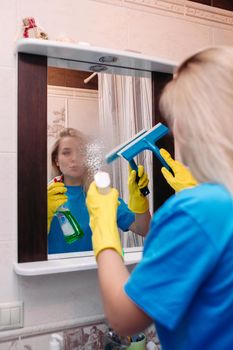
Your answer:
<point x="138" y="203"/>
<point x="182" y="177"/>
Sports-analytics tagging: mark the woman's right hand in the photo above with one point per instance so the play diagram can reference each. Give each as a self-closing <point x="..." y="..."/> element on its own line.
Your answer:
<point x="56" y="198"/>
<point x="102" y="209"/>
<point x="182" y="177"/>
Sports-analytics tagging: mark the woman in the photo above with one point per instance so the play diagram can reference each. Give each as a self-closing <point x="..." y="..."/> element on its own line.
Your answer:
<point x="73" y="172"/>
<point x="184" y="281"/>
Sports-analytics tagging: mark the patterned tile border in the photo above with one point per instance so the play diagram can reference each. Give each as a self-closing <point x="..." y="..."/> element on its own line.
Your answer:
<point x="85" y="338"/>
<point x="93" y="336"/>
<point x="176" y="7"/>
<point x="187" y="10"/>
<point x="208" y="13"/>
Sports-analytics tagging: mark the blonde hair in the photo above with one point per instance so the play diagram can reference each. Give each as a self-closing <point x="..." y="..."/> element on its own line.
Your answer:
<point x="83" y="140"/>
<point x="198" y="105"/>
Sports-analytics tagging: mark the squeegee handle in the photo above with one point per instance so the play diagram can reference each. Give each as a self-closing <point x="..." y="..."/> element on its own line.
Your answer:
<point x="145" y="190"/>
<point x="156" y="152"/>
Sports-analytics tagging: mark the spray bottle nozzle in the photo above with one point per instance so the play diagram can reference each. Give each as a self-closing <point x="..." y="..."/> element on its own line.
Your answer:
<point x="102" y="181"/>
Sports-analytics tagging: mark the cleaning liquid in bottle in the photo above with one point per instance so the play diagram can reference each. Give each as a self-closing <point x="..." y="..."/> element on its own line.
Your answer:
<point x="70" y="227"/>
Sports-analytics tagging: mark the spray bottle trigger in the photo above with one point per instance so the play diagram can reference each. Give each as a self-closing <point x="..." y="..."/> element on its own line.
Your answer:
<point x="59" y="178"/>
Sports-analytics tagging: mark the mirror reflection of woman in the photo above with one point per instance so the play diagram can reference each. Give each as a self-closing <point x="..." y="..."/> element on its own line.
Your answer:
<point x="69" y="166"/>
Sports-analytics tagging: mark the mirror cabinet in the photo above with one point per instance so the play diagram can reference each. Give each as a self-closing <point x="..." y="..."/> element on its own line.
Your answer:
<point x="34" y="57"/>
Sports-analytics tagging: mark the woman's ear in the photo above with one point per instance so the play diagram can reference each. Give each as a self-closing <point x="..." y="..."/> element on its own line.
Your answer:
<point x="56" y="162"/>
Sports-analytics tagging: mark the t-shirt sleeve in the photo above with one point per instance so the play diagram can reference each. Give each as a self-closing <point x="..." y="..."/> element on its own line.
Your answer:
<point x="125" y="217"/>
<point x="178" y="256"/>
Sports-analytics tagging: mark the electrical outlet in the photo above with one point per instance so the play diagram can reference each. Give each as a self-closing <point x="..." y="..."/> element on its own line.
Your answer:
<point x="11" y="315"/>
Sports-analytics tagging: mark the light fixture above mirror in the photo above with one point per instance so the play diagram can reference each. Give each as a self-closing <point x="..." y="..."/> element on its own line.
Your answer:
<point x="108" y="59"/>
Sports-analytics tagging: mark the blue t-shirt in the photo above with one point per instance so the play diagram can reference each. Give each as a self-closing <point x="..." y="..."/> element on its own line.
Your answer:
<point x="185" y="279"/>
<point x="77" y="205"/>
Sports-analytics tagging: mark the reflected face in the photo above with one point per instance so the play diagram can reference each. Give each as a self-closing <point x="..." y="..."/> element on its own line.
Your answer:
<point x="71" y="159"/>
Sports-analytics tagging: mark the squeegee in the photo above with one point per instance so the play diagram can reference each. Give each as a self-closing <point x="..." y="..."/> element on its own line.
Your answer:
<point x="144" y="140"/>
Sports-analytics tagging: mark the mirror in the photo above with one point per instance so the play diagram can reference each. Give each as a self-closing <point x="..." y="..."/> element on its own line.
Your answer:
<point x="92" y="103"/>
<point x="34" y="58"/>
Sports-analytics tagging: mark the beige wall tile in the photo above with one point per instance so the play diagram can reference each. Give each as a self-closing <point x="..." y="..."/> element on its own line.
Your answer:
<point x="8" y="196"/>
<point x="222" y="37"/>
<point x="8" y="31"/>
<point x="60" y="297"/>
<point x="167" y="37"/>
<point x="9" y="285"/>
<point x="89" y="21"/>
<point x="8" y="121"/>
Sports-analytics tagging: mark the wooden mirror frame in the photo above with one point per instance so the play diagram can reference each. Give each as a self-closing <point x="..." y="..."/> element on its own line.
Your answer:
<point x="32" y="154"/>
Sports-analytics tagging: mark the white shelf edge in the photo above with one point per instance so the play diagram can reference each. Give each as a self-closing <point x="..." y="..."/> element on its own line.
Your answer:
<point x="67" y="265"/>
<point x="91" y="54"/>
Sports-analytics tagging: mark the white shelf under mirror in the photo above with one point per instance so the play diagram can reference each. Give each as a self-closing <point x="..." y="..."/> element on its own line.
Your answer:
<point x="131" y="256"/>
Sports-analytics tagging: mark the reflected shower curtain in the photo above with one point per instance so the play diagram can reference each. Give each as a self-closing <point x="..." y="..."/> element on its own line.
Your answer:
<point x="125" y="108"/>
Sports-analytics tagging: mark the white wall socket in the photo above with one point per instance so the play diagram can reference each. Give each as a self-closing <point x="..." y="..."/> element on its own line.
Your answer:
<point x="11" y="315"/>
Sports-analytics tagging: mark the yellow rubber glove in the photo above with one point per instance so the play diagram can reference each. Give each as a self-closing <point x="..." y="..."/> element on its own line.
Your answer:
<point x="137" y="202"/>
<point x="56" y="198"/>
<point x="182" y="176"/>
<point x="102" y="209"/>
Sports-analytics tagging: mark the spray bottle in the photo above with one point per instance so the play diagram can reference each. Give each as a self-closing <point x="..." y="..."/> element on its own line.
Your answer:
<point x="69" y="225"/>
<point x="56" y="342"/>
<point x="103" y="182"/>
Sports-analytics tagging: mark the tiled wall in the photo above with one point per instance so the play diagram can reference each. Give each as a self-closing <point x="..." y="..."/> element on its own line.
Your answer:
<point x="92" y="337"/>
<point x="170" y="29"/>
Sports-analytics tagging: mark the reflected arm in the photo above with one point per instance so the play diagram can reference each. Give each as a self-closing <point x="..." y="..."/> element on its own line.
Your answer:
<point x="141" y="223"/>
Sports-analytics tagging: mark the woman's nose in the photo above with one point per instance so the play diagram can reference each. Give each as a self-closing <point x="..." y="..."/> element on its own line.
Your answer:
<point x="74" y="156"/>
